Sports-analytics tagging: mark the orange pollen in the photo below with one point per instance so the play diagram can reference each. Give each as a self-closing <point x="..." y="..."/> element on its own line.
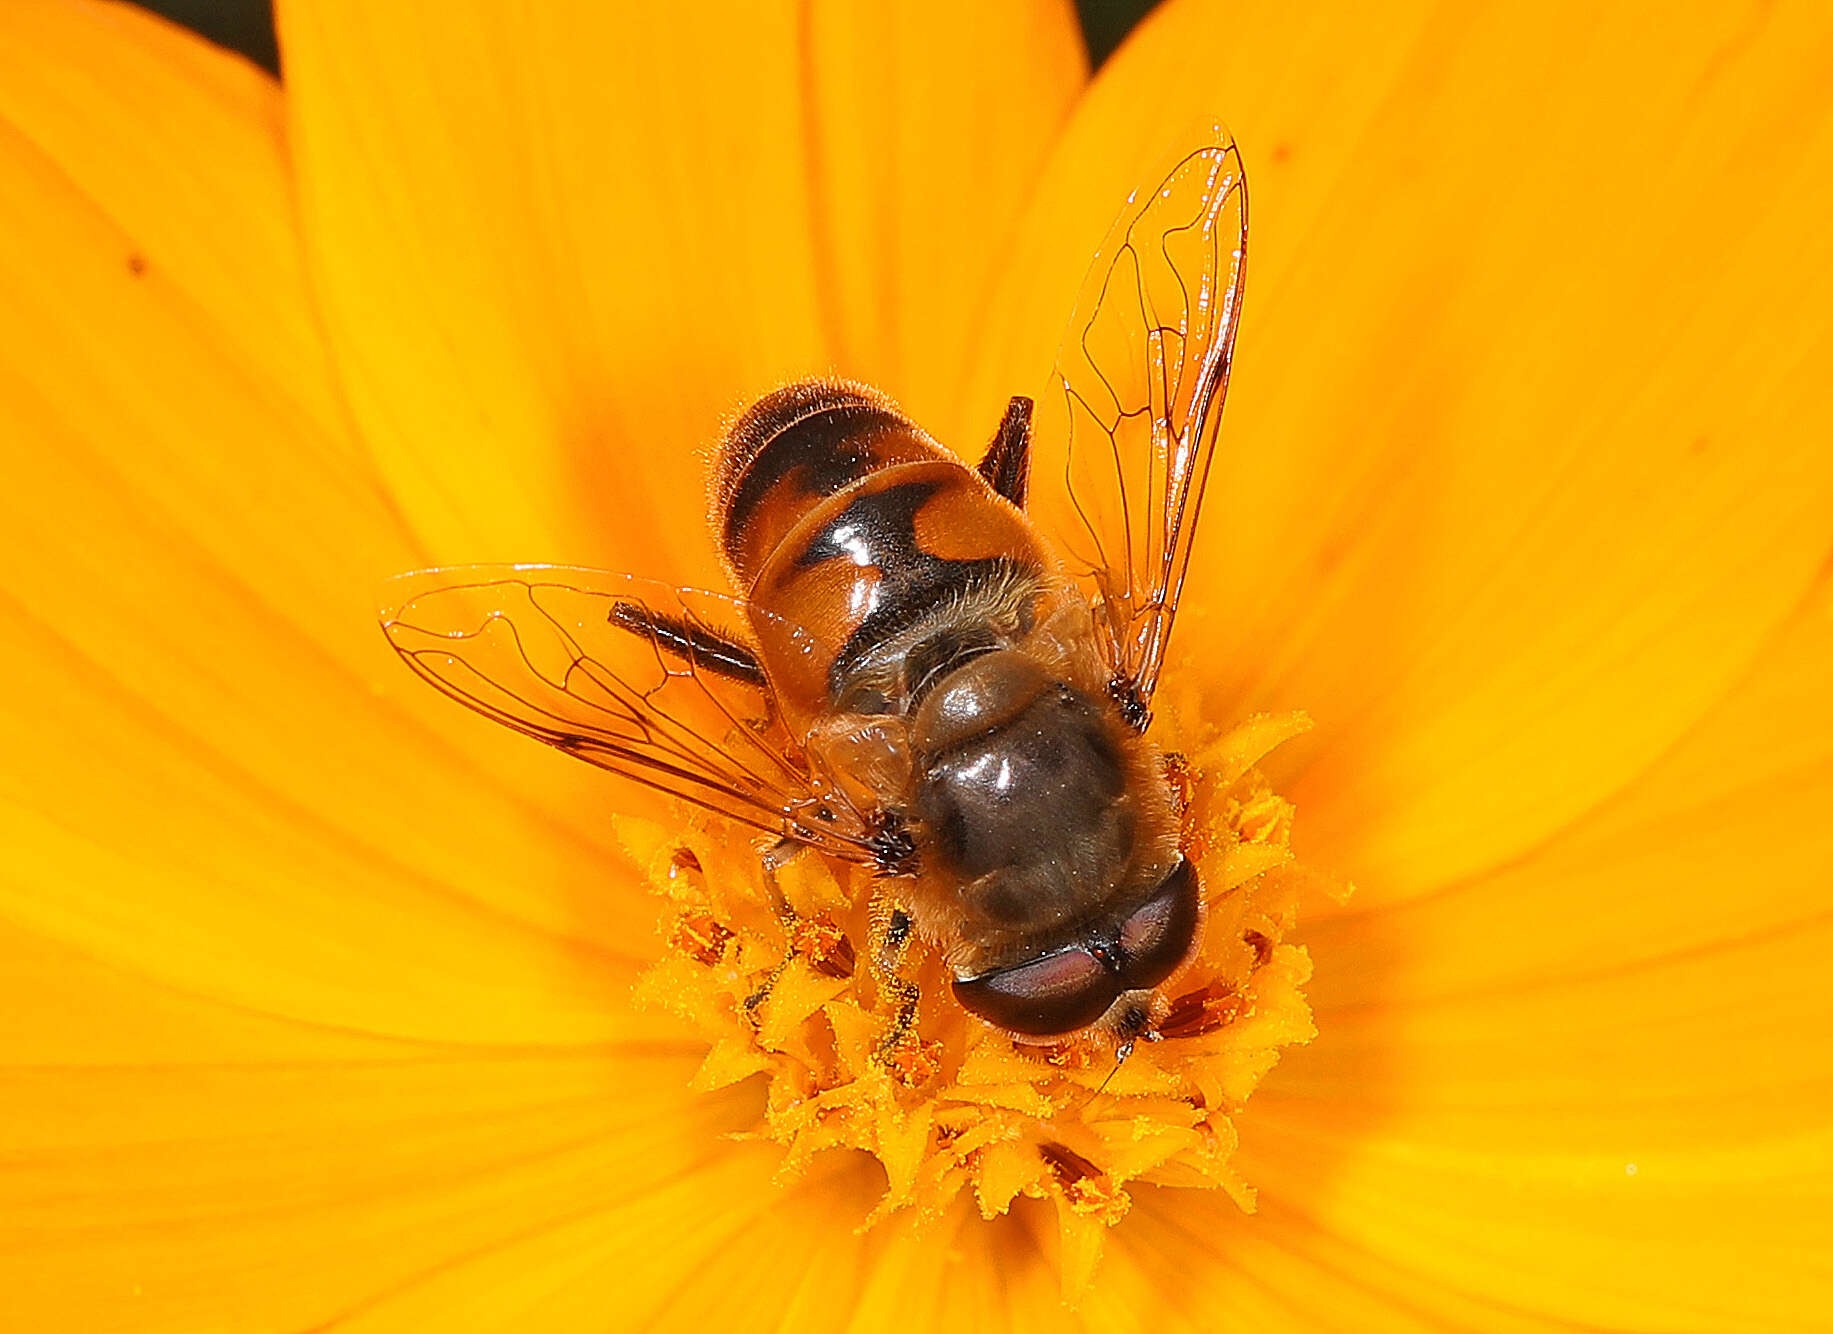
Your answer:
<point x="913" y="1063"/>
<point x="858" y="1046"/>
<point x="697" y="934"/>
<point x="824" y="945"/>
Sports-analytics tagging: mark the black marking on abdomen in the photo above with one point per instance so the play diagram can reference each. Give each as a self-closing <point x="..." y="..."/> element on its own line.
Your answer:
<point x="803" y="435"/>
<point x="878" y="529"/>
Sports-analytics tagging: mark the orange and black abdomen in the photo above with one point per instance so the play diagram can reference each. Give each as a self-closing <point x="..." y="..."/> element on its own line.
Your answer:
<point x="838" y="515"/>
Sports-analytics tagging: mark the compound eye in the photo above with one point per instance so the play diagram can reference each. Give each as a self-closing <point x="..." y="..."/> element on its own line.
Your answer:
<point x="1158" y="934"/>
<point x="1058" y="993"/>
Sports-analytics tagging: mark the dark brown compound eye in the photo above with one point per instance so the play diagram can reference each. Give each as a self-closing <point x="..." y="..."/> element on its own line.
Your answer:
<point x="1058" y="993"/>
<point x="1155" y="939"/>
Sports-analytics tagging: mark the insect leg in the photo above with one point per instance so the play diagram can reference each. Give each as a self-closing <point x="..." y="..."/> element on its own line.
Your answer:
<point x="1007" y="465"/>
<point x="699" y="647"/>
<point x="825" y="945"/>
<point x="892" y="931"/>
<point x="1125" y="692"/>
<point x="772" y="859"/>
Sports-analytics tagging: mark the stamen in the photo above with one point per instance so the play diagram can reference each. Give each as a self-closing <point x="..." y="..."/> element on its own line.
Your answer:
<point x="854" y="1027"/>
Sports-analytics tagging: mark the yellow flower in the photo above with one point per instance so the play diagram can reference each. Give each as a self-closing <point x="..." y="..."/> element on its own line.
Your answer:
<point x="318" y="997"/>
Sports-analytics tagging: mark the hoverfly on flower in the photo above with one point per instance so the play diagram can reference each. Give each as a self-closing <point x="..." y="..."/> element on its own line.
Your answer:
<point x="915" y="677"/>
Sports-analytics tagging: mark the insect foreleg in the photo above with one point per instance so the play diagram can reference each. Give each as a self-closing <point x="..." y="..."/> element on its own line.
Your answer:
<point x="772" y="859"/>
<point x="823" y="944"/>
<point x="891" y="934"/>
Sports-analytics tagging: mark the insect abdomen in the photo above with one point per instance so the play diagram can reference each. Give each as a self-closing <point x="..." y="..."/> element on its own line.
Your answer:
<point x="839" y="515"/>
<point x="794" y="448"/>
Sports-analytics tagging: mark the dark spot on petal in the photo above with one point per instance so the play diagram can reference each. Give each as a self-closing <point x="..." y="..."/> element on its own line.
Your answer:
<point x="1199" y="1012"/>
<point x="1069" y="1165"/>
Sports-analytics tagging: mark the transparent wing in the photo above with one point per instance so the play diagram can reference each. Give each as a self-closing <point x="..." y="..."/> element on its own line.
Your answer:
<point x="659" y="684"/>
<point x="1138" y="393"/>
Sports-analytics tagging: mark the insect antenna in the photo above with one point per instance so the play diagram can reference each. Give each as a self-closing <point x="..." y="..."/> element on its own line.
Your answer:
<point x="1120" y="1058"/>
<point x="1133" y="1027"/>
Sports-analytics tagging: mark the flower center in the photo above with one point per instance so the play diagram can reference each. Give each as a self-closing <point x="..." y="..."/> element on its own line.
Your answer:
<point x="778" y="984"/>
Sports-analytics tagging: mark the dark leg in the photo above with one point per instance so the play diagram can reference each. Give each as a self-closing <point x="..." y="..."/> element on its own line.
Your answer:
<point x="1007" y="465"/>
<point x="892" y="930"/>
<point x="700" y="649"/>
<point x="773" y="859"/>
<point x="816" y="939"/>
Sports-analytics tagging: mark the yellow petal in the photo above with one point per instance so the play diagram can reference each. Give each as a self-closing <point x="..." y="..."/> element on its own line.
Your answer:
<point x="217" y="774"/>
<point x="929" y="125"/>
<point x="717" y="1248"/>
<point x="1722" y="844"/>
<point x="1525" y="503"/>
<point x="268" y="1177"/>
<point x="233" y="862"/>
<point x="962" y="1272"/>
<point x="555" y="249"/>
<point x="1593" y="1086"/>
<point x="1525" y="450"/>
<point x="73" y="78"/>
